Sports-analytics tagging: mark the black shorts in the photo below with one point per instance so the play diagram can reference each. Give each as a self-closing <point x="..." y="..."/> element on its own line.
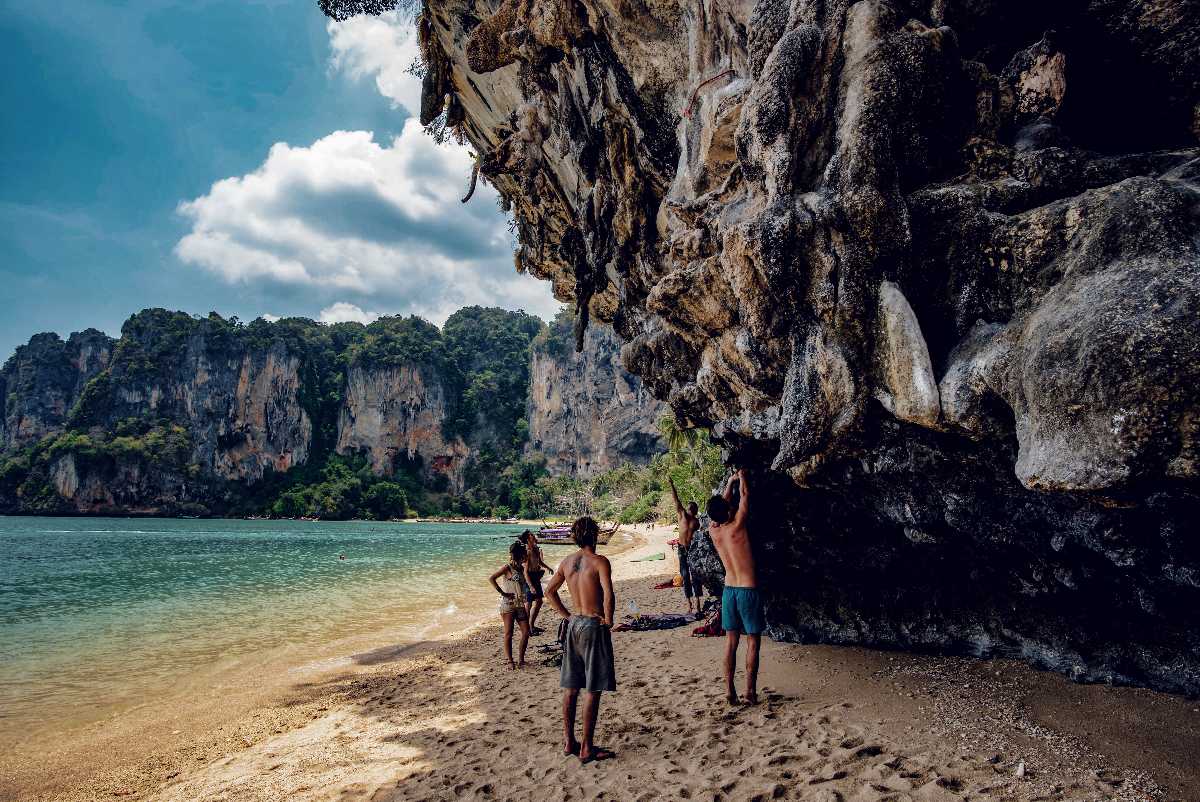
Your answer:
<point x="587" y="656"/>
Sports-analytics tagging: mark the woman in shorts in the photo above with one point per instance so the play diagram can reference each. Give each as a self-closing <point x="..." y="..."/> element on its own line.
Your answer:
<point x="535" y="569"/>
<point x="513" y="588"/>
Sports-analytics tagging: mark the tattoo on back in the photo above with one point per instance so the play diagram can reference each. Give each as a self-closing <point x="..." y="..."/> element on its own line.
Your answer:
<point x="578" y="561"/>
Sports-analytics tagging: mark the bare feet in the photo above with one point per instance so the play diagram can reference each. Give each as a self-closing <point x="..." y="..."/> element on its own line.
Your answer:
<point x="522" y="664"/>
<point x="733" y="700"/>
<point x="752" y="697"/>
<point x="571" y="748"/>
<point x="511" y="665"/>
<point x="596" y="753"/>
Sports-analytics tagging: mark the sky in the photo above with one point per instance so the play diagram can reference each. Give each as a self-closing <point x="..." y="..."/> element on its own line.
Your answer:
<point x="248" y="157"/>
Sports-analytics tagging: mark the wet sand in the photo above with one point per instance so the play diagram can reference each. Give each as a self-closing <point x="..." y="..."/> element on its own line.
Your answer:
<point x="445" y="720"/>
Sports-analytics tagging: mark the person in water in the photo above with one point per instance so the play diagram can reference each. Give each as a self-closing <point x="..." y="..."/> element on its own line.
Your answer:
<point x="741" y="604"/>
<point x="587" y="645"/>
<point x="689" y="522"/>
<point x="512" y="601"/>
<point x="535" y="569"/>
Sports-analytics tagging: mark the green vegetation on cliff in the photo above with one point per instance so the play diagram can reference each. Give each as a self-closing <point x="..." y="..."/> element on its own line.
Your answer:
<point x="144" y="409"/>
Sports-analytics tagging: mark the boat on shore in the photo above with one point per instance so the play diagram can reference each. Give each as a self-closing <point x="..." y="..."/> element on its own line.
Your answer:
<point x="560" y="535"/>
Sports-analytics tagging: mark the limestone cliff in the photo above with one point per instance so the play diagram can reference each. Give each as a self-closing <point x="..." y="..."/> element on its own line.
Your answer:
<point x="929" y="268"/>
<point x="42" y="381"/>
<point x="396" y="413"/>
<point x="587" y="414"/>
<point x="212" y="416"/>
<point x="171" y="407"/>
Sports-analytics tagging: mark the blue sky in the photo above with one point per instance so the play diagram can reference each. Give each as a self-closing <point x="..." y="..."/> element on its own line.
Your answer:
<point x="243" y="156"/>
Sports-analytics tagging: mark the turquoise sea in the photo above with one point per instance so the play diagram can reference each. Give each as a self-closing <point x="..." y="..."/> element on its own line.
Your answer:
<point x="101" y="614"/>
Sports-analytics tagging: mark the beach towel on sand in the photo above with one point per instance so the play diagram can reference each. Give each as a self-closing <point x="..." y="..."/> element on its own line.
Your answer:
<point x="659" y="556"/>
<point x="649" y="621"/>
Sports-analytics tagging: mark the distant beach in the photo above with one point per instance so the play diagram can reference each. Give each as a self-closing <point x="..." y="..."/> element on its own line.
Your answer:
<point x="375" y="717"/>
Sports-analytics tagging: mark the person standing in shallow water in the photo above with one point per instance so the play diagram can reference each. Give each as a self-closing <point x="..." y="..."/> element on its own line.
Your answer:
<point x="741" y="604"/>
<point x="689" y="522"/>
<point x="512" y="602"/>
<point x="587" y="646"/>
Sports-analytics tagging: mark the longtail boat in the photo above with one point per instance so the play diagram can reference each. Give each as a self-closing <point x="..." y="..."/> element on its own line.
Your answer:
<point x="561" y="535"/>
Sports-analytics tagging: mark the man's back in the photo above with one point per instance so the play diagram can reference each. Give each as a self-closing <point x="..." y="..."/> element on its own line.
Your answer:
<point x="688" y="524"/>
<point x="733" y="547"/>
<point x="584" y="571"/>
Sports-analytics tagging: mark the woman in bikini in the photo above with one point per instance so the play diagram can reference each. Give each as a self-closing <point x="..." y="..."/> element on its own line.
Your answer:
<point x="535" y="569"/>
<point x="513" y="591"/>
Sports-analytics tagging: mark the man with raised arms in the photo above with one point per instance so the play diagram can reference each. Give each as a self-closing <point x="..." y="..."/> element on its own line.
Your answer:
<point x="587" y="646"/>
<point x="689" y="522"/>
<point x="741" y="605"/>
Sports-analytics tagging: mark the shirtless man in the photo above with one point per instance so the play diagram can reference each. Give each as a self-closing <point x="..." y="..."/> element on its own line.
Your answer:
<point x="689" y="522"/>
<point x="587" y="646"/>
<point x="741" y="605"/>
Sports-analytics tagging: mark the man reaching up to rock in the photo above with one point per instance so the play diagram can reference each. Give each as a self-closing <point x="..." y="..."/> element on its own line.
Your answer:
<point x="689" y="522"/>
<point x="587" y="646"/>
<point x="741" y="605"/>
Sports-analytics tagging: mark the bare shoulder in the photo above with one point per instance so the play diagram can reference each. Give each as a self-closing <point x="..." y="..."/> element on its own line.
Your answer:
<point x="602" y="560"/>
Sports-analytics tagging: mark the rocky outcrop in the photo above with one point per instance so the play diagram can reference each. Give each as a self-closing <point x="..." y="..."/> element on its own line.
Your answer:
<point x="395" y="414"/>
<point x="207" y="415"/>
<point x="587" y="414"/>
<point x="931" y="270"/>
<point x="240" y="405"/>
<point x="41" y="382"/>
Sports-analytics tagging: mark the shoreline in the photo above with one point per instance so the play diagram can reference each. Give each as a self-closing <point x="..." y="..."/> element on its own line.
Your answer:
<point x="441" y="719"/>
<point x="223" y="698"/>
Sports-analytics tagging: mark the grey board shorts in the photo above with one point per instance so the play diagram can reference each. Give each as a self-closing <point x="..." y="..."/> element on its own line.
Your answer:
<point x="587" y="656"/>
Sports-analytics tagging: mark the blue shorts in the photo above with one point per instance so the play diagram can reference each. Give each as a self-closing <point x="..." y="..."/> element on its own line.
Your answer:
<point x="742" y="611"/>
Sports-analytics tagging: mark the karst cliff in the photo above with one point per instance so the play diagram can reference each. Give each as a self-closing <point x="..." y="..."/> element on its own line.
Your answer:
<point x="930" y="270"/>
<point x="586" y="413"/>
<point x="184" y="415"/>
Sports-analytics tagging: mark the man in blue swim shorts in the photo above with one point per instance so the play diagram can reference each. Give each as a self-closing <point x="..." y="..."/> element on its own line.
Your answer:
<point x="741" y="604"/>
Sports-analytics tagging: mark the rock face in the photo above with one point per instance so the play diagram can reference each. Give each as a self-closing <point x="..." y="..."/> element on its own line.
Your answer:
<point x="42" y="381"/>
<point x="206" y="415"/>
<point x="587" y="414"/>
<point x="230" y="412"/>
<point x="396" y="413"/>
<point x="930" y="269"/>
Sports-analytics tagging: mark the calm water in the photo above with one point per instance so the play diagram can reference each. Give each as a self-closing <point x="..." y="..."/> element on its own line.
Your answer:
<point x="97" y="614"/>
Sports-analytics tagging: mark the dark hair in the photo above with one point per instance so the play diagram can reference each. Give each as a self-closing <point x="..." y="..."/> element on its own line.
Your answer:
<point x="585" y="531"/>
<point x="517" y="551"/>
<point x="718" y="509"/>
<point x="693" y="506"/>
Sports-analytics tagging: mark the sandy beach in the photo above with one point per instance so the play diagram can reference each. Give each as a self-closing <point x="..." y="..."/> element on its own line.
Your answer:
<point x="444" y="720"/>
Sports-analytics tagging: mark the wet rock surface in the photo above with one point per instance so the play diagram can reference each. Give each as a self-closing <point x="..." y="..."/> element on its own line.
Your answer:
<point x="928" y="269"/>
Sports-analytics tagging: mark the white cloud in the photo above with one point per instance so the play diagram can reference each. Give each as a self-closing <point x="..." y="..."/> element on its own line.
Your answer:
<point x="267" y="316"/>
<point x="342" y="312"/>
<point x="374" y="225"/>
<point x="381" y="47"/>
<point x="350" y="224"/>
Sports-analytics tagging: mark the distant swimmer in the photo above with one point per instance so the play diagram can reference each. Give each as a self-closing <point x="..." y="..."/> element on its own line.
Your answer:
<point x="587" y="646"/>
<point x="741" y="604"/>
<point x="689" y="522"/>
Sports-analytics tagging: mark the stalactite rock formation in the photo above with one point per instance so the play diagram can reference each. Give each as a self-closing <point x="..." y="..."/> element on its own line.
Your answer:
<point x="930" y="270"/>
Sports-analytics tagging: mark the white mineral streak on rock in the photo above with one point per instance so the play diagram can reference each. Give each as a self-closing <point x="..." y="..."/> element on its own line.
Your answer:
<point x="910" y="391"/>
